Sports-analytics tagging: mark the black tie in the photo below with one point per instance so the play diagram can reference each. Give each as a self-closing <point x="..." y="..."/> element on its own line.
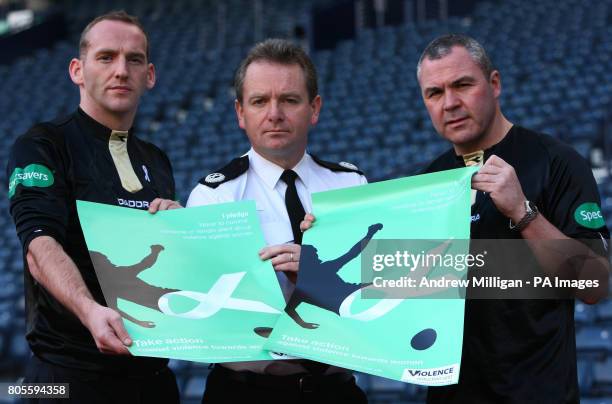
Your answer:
<point x="296" y="215"/>
<point x="293" y="204"/>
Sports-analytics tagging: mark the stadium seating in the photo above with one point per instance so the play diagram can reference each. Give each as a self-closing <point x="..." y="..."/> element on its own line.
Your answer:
<point x="555" y="58"/>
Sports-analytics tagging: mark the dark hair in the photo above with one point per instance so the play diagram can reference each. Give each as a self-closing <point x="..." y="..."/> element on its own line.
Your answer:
<point x="443" y="45"/>
<point x="118" y="15"/>
<point x="278" y="51"/>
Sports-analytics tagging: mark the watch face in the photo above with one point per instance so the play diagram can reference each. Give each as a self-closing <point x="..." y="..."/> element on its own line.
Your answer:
<point x="532" y="206"/>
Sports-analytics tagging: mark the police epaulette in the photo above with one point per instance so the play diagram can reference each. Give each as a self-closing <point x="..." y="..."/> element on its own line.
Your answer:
<point x="233" y="169"/>
<point x="341" y="166"/>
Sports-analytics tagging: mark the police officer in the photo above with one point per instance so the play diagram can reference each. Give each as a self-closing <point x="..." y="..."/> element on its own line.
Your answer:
<point x="276" y="103"/>
<point x="531" y="187"/>
<point x="91" y="155"/>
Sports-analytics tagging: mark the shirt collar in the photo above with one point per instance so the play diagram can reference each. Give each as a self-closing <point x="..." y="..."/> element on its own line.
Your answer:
<point x="491" y="150"/>
<point x="270" y="173"/>
<point x="96" y="128"/>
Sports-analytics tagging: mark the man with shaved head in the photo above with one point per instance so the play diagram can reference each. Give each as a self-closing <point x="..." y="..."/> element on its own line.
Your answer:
<point x="91" y="155"/>
<point x="530" y="186"/>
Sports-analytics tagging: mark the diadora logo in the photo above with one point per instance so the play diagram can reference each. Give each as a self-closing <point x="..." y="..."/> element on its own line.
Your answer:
<point x="33" y="175"/>
<point x="589" y="215"/>
<point x="432" y="376"/>
<point x="133" y="204"/>
<point x="218" y="297"/>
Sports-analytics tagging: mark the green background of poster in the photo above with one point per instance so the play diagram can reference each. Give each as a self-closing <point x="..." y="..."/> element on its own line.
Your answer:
<point x="431" y="206"/>
<point x="201" y="244"/>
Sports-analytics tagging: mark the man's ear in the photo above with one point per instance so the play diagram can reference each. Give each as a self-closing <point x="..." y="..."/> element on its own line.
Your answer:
<point x="495" y="81"/>
<point x="239" y="113"/>
<point x="316" y="109"/>
<point x="150" y="76"/>
<point x="75" y="68"/>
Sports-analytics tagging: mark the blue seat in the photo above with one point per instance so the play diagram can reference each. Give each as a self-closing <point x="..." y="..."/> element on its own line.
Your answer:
<point x="596" y="400"/>
<point x="602" y="377"/>
<point x="604" y="311"/>
<point x="595" y="340"/>
<point x="19" y="348"/>
<point x="585" y="375"/>
<point x="584" y="314"/>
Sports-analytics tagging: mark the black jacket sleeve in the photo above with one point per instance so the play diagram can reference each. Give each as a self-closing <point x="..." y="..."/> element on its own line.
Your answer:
<point x="38" y="189"/>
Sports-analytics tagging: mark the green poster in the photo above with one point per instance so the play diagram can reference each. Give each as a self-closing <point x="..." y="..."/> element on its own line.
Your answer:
<point x="188" y="283"/>
<point x="330" y="318"/>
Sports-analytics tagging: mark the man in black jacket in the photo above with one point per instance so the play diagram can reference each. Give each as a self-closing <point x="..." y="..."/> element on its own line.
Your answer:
<point x="91" y="155"/>
<point x="530" y="187"/>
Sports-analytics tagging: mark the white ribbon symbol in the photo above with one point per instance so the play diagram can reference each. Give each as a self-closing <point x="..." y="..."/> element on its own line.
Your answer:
<point x="217" y="298"/>
<point x="146" y="173"/>
<point x="378" y="310"/>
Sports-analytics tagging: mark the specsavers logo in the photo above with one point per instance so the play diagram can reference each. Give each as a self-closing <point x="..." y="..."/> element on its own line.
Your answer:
<point x="33" y="175"/>
<point x="589" y="215"/>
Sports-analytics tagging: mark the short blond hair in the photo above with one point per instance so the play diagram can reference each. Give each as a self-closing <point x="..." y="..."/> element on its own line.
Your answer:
<point x="118" y="15"/>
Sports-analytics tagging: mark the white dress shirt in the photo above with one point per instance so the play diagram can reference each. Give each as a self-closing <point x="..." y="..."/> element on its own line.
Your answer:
<point x="262" y="183"/>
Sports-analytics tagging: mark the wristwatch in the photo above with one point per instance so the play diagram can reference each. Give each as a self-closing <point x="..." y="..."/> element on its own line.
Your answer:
<point x="531" y="211"/>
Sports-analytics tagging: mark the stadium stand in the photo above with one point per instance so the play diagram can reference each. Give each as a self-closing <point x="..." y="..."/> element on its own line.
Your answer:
<point x="555" y="57"/>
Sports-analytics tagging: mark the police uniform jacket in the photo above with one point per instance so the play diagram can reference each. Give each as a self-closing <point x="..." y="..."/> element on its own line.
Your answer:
<point x="252" y="177"/>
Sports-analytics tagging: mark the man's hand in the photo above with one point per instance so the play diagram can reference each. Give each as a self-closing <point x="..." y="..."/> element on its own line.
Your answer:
<point x="55" y="271"/>
<point x="163" y="204"/>
<point x="307" y="222"/>
<point x="106" y="327"/>
<point x="284" y="257"/>
<point x="146" y="324"/>
<point x="499" y="179"/>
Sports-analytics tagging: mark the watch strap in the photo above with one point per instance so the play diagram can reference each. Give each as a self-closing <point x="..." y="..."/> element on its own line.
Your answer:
<point x="531" y="212"/>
